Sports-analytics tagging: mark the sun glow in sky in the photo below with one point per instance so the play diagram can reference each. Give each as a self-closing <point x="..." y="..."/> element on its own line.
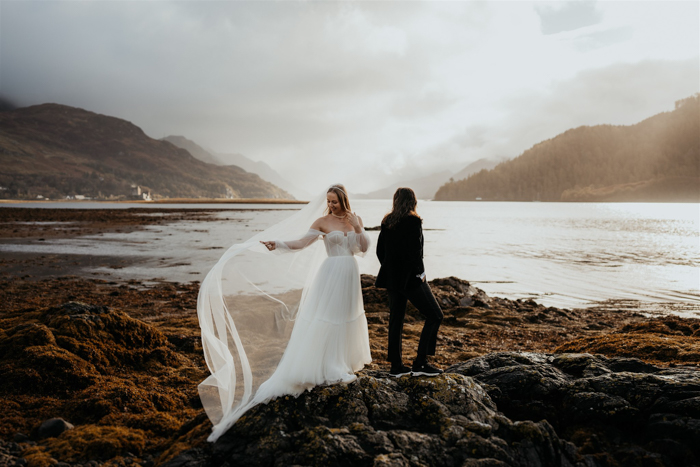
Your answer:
<point x="365" y="93"/>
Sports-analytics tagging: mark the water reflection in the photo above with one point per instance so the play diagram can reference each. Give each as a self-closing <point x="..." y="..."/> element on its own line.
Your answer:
<point x="561" y="254"/>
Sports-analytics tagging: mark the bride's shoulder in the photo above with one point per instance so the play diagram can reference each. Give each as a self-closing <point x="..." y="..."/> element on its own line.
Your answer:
<point x="319" y="223"/>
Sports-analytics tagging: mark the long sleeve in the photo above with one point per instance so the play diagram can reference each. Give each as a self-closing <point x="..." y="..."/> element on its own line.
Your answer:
<point x="361" y="243"/>
<point x="295" y="245"/>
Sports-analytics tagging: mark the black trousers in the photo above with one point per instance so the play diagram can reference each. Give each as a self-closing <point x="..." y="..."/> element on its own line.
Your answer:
<point x="423" y="299"/>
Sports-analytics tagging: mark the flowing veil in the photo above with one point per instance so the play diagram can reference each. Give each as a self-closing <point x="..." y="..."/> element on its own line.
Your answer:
<point x="246" y="307"/>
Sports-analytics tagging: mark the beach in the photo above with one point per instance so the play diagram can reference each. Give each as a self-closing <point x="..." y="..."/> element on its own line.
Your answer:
<point x="120" y="359"/>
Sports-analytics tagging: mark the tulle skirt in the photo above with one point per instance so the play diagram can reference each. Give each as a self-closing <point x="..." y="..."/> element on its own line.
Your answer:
<point x="330" y="340"/>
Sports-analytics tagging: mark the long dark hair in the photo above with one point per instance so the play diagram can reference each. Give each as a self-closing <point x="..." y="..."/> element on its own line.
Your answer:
<point x="404" y="205"/>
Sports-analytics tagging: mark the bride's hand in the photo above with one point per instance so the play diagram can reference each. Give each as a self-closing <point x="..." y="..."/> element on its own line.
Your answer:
<point x="353" y="220"/>
<point x="270" y="245"/>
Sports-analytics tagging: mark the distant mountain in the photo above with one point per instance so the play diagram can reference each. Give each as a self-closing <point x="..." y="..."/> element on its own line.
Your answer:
<point x="265" y="171"/>
<point x="424" y="187"/>
<point x="54" y="151"/>
<point x="193" y="148"/>
<point x="260" y="168"/>
<point x="474" y="167"/>
<point x="657" y="159"/>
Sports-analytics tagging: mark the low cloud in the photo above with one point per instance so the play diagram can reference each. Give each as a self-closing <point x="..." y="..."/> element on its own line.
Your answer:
<point x="621" y="94"/>
<point x="360" y="92"/>
<point x="556" y="17"/>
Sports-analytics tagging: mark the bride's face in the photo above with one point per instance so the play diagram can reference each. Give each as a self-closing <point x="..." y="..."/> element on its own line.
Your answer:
<point x="333" y="203"/>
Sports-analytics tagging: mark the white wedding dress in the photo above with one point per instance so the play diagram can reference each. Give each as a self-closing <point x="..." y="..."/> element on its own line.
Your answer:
<point x="329" y="341"/>
<point x="276" y="324"/>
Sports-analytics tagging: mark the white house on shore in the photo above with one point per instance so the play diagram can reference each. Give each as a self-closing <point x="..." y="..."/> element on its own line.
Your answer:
<point x="144" y="193"/>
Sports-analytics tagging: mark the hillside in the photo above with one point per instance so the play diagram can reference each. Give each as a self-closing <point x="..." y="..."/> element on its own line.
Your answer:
<point x="260" y="168"/>
<point x="474" y="167"/>
<point x="657" y="159"/>
<point x="55" y="151"/>
<point x="424" y="187"/>
<point x="193" y="148"/>
<point x="265" y="171"/>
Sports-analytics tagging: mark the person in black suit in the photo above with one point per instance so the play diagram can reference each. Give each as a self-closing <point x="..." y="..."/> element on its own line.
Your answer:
<point x="400" y="252"/>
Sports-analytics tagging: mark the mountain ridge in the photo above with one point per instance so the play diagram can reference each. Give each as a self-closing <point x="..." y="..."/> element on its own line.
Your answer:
<point x="657" y="159"/>
<point x="425" y="187"/>
<point x="54" y="151"/>
<point x="259" y="168"/>
<point x="263" y="170"/>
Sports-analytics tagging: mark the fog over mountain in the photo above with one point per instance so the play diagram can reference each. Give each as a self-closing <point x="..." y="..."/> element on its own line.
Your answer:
<point x="425" y="187"/>
<point x="365" y="93"/>
<point x="260" y="168"/>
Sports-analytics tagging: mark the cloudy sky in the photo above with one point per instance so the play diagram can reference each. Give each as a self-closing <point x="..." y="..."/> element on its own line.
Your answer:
<point x="363" y="93"/>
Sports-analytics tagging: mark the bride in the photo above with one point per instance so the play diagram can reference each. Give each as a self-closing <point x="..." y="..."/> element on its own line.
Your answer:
<point x="279" y="324"/>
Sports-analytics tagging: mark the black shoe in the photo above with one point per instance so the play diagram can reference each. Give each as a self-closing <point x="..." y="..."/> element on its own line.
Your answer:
<point x="398" y="371"/>
<point x="425" y="369"/>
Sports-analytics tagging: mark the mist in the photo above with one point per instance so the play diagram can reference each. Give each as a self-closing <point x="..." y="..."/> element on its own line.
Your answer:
<point x="364" y="93"/>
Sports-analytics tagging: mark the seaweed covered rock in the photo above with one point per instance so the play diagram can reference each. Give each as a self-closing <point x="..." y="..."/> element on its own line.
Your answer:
<point x="662" y="339"/>
<point x="475" y="323"/>
<point x="620" y="409"/>
<point x="68" y="347"/>
<point x="117" y="379"/>
<point x="447" y="420"/>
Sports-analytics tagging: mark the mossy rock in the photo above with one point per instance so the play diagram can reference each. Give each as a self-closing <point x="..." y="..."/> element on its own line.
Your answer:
<point x="90" y="442"/>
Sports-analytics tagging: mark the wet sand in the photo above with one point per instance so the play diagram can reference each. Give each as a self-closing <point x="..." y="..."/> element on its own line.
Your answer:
<point x="35" y="224"/>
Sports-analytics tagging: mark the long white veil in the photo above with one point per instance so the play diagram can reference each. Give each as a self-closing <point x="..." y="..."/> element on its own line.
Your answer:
<point x="246" y="308"/>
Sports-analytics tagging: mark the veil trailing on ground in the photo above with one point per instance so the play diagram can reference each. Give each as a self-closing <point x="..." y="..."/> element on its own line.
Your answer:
<point x="246" y="307"/>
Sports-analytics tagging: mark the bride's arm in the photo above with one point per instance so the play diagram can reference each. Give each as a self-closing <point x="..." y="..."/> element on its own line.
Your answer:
<point x="361" y="237"/>
<point x="295" y="245"/>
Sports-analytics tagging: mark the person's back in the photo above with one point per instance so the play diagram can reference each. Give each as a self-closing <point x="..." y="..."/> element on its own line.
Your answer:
<point x="400" y="252"/>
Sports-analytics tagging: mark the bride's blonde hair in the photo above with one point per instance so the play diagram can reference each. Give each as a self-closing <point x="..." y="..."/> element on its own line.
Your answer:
<point x="342" y="195"/>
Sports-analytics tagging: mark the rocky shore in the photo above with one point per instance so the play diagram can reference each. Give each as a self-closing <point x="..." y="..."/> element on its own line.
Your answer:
<point x="501" y="409"/>
<point x="525" y="385"/>
<point x="105" y="372"/>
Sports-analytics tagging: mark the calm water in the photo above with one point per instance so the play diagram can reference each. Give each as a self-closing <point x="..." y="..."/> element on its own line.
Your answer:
<point x="560" y="254"/>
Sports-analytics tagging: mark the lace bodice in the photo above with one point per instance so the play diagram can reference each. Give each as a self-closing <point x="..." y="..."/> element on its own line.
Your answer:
<point x="337" y="243"/>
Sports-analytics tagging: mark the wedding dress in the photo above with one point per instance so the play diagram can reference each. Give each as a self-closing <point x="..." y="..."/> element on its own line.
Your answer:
<point x="279" y="323"/>
<point x="329" y="341"/>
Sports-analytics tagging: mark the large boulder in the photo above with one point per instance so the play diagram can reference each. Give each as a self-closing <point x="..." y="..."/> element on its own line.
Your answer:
<point x="447" y="420"/>
<point x="622" y="408"/>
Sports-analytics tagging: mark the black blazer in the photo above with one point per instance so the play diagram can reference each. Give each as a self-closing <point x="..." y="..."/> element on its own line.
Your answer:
<point x="400" y="252"/>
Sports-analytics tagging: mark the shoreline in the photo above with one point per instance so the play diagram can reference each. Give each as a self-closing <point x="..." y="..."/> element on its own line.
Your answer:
<point x="121" y="359"/>
<point x="294" y="201"/>
<point x="162" y="201"/>
<point x="21" y="226"/>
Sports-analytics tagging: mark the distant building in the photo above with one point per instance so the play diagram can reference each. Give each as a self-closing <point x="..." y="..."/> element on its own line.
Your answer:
<point x="230" y="194"/>
<point x="141" y="192"/>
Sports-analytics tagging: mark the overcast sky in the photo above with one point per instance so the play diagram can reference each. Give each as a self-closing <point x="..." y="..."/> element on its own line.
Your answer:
<point x="363" y="93"/>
